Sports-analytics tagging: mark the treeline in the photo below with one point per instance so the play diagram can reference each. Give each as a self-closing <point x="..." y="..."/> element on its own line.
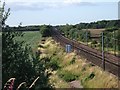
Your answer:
<point x="23" y="28"/>
<point x="112" y="39"/>
<point x="45" y="30"/>
<point x="74" y="31"/>
<point x="99" y="24"/>
<point x="107" y="24"/>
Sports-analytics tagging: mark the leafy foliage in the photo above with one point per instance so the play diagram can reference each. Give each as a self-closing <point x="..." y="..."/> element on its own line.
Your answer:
<point x="74" y="33"/>
<point x="67" y="75"/>
<point x="118" y="36"/>
<point x="54" y="63"/>
<point x="99" y="24"/>
<point x="18" y="60"/>
<point x="45" y="30"/>
<point x="111" y="39"/>
<point x="111" y="33"/>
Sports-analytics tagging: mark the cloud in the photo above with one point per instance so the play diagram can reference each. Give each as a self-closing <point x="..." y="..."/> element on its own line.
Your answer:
<point x="72" y="1"/>
<point x="43" y="1"/>
<point x="17" y="5"/>
<point x="31" y="5"/>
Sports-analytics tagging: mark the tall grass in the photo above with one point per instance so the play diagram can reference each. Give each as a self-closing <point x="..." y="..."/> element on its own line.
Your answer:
<point x="73" y="67"/>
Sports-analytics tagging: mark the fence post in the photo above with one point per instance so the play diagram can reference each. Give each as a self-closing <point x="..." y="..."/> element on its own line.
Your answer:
<point x="103" y="59"/>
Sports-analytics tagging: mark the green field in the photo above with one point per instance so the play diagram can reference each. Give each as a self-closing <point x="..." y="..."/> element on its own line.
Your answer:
<point x="32" y="38"/>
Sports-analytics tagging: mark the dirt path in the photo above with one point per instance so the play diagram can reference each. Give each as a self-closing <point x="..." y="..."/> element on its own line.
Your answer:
<point x="75" y="84"/>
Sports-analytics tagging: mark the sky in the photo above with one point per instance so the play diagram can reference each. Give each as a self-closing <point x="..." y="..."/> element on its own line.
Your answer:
<point x="59" y="12"/>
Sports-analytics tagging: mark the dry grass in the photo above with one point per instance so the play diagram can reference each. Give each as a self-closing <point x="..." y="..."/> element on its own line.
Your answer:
<point x="102" y="79"/>
<point x="80" y="68"/>
<point x="95" y="31"/>
<point x="58" y="82"/>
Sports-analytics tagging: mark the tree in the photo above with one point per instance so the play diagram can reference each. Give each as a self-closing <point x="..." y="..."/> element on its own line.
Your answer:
<point x="66" y="29"/>
<point x="45" y="30"/>
<point x="118" y="41"/>
<point x="18" y="60"/>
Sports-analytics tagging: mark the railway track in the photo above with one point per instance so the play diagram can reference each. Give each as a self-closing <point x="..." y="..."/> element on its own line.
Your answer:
<point x="111" y="62"/>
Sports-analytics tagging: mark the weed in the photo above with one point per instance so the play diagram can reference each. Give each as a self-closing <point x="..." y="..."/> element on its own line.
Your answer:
<point x="54" y="63"/>
<point x="67" y="75"/>
<point x="73" y="60"/>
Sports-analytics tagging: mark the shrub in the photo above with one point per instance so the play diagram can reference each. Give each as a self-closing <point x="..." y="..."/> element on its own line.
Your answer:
<point x="45" y="30"/>
<point x="54" y="63"/>
<point x="67" y="76"/>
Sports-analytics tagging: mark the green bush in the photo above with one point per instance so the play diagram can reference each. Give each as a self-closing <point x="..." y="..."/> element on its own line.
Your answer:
<point x="54" y="63"/>
<point x="67" y="76"/>
<point x="45" y="30"/>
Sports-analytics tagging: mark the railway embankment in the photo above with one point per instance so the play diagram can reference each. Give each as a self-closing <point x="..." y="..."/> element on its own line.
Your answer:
<point x="67" y="68"/>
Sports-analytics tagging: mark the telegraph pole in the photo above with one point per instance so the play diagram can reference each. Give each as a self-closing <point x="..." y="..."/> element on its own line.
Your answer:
<point x="114" y="42"/>
<point x="103" y="59"/>
<point x="86" y="37"/>
<point x="118" y="46"/>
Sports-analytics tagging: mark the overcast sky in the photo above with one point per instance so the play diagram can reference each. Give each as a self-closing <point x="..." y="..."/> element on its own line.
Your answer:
<point x="54" y="12"/>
